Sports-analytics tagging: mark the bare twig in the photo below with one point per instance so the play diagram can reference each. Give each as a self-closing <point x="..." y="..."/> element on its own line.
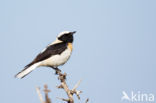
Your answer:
<point x="63" y="99"/>
<point x="76" y="91"/>
<point x="87" y="100"/>
<point x="39" y="95"/>
<point x="76" y="85"/>
<point x="46" y="91"/>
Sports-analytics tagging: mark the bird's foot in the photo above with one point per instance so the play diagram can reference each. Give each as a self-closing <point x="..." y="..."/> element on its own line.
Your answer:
<point x="57" y="71"/>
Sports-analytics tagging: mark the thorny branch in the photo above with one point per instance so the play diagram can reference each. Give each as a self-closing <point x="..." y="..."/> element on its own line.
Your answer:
<point x="62" y="78"/>
<point x="63" y="85"/>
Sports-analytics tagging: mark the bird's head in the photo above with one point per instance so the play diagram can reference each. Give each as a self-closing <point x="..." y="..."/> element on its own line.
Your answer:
<point x="66" y="36"/>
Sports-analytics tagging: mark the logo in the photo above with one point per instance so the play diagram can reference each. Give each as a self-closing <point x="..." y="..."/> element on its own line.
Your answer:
<point x="137" y="96"/>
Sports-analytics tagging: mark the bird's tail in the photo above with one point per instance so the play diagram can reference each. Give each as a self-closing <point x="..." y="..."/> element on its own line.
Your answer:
<point x="28" y="69"/>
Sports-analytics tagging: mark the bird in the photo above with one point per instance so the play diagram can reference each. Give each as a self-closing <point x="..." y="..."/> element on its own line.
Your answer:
<point x="55" y="54"/>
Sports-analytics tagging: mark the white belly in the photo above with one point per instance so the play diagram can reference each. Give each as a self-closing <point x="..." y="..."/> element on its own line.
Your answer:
<point x="57" y="59"/>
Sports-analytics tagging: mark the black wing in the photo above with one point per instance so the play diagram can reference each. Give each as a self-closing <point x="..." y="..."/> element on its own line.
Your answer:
<point x="50" y="50"/>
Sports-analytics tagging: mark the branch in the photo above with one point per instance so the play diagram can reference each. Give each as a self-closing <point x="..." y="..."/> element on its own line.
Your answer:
<point x="70" y="93"/>
<point x="62" y="78"/>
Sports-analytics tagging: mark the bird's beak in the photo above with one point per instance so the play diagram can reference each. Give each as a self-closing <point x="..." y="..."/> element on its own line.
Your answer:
<point x="73" y="32"/>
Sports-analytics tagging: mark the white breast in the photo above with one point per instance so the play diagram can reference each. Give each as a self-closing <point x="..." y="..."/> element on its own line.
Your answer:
<point x="57" y="59"/>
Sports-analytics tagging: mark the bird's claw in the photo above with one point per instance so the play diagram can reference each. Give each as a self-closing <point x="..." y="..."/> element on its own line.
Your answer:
<point x="57" y="71"/>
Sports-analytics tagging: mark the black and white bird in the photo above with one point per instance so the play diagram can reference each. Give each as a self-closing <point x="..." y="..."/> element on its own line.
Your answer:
<point x="55" y="54"/>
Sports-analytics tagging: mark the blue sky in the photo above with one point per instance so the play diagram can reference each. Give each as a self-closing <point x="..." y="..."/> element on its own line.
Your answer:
<point x="114" y="47"/>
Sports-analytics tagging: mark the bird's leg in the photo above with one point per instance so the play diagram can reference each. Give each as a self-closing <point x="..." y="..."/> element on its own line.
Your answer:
<point x="57" y="70"/>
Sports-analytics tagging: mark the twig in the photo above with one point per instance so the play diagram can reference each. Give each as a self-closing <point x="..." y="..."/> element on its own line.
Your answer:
<point x="39" y="95"/>
<point x="76" y="85"/>
<point x="46" y="91"/>
<point x="76" y="91"/>
<point x="87" y="100"/>
<point x="47" y="99"/>
<point x="63" y="99"/>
